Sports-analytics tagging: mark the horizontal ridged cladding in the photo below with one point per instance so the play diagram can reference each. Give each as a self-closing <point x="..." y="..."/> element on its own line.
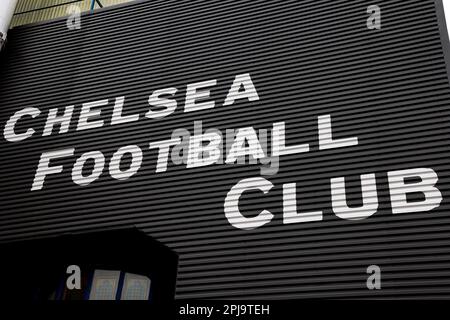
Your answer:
<point x="389" y="88"/>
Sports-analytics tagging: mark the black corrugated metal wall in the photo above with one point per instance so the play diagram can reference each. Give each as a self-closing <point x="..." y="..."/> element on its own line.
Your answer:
<point x="387" y="87"/>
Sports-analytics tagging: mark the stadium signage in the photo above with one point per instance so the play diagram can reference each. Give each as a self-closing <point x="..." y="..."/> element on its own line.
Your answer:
<point x="216" y="147"/>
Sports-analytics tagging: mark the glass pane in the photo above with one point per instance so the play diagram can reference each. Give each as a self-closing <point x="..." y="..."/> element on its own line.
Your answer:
<point x="104" y="285"/>
<point x="135" y="287"/>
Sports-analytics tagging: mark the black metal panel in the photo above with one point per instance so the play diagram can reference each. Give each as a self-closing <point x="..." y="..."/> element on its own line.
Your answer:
<point x="387" y="87"/>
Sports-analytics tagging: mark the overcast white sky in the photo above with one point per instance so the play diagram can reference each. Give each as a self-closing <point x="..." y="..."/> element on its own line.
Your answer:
<point x="447" y="13"/>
